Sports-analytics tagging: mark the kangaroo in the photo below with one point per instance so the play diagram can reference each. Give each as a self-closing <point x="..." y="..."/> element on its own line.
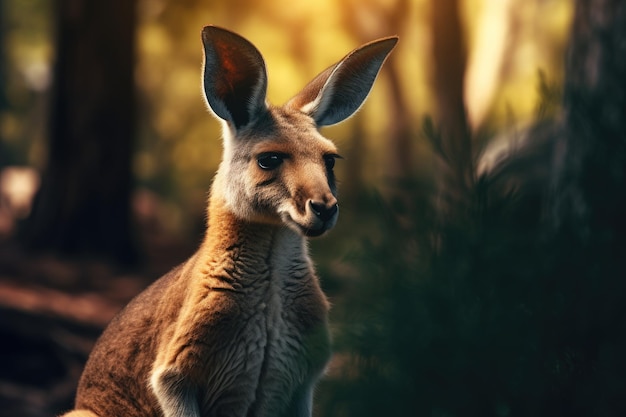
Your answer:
<point x="240" y="329"/>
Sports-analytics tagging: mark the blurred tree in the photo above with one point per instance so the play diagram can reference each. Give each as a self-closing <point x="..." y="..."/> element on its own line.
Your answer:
<point x="487" y="311"/>
<point x="448" y="51"/>
<point x="592" y="162"/>
<point x="83" y="206"/>
<point x="588" y="205"/>
<point x="449" y="61"/>
<point x="3" y="99"/>
<point x="390" y="18"/>
<point x="4" y="151"/>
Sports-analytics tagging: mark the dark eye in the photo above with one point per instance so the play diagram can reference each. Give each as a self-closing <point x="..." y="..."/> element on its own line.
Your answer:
<point x="329" y="160"/>
<point x="270" y="160"/>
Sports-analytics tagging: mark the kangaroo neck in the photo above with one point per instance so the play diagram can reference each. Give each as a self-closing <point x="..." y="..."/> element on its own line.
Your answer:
<point x="231" y="243"/>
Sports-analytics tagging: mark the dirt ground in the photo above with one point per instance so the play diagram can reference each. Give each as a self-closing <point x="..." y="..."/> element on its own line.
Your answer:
<point x="51" y="313"/>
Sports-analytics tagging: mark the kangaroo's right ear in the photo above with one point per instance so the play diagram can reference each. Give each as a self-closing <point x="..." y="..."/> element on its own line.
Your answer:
<point x="235" y="79"/>
<point x="338" y="92"/>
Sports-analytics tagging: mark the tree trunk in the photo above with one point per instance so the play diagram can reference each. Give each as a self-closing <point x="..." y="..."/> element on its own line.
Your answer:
<point x="591" y="155"/>
<point x="453" y="138"/>
<point x="83" y="206"/>
<point x="587" y="210"/>
<point x="3" y="101"/>
<point x="449" y="68"/>
<point x="398" y="166"/>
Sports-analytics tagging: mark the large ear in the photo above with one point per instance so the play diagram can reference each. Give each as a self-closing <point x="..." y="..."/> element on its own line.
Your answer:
<point x="339" y="91"/>
<point x="235" y="79"/>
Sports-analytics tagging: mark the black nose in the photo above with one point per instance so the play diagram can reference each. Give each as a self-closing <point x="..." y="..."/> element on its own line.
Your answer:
<point x="322" y="211"/>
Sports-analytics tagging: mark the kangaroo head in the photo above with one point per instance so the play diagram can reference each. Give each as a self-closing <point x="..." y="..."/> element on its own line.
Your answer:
<point x="277" y="168"/>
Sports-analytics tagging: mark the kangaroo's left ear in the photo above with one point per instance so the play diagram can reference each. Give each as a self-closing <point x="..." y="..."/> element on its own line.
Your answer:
<point x="339" y="91"/>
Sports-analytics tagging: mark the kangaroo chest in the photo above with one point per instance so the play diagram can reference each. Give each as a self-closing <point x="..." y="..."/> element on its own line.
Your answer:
<point x="280" y="342"/>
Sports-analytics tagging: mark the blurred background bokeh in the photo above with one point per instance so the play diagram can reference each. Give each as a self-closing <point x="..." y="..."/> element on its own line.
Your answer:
<point x="494" y="53"/>
<point x="442" y="301"/>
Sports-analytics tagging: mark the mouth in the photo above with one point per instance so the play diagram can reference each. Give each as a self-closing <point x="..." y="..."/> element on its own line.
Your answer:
<point x="314" y="232"/>
<point x="304" y="230"/>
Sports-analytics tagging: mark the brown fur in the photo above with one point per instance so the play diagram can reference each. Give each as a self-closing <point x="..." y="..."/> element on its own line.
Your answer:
<point x="240" y="329"/>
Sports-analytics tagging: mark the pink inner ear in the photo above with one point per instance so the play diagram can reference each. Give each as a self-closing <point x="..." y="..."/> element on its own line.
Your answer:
<point x="238" y="74"/>
<point x="232" y="72"/>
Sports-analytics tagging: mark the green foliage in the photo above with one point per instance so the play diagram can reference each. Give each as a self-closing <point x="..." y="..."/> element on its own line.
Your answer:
<point x="479" y="307"/>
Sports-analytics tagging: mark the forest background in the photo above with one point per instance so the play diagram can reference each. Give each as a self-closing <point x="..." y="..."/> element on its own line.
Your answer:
<point x="463" y="281"/>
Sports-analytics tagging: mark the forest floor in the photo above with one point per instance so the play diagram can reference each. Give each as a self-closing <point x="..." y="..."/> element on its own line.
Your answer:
<point x="51" y="313"/>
